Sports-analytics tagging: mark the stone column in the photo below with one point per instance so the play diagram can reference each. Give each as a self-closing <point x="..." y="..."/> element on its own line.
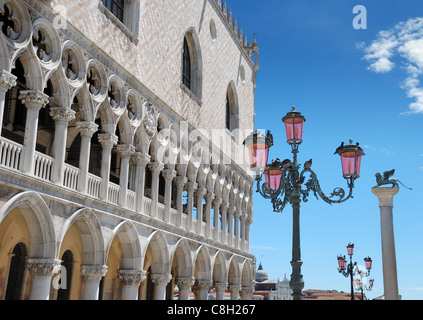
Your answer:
<point x="156" y="168"/>
<point x="86" y="130"/>
<point x="242" y="235"/>
<point x="231" y="211"/>
<point x="237" y="214"/>
<point x="141" y="161"/>
<point x="220" y="290"/>
<point x="191" y="187"/>
<point x="201" y="289"/>
<point x="245" y="293"/>
<point x="61" y="116"/>
<point x="34" y="100"/>
<point x="216" y="204"/>
<point x="7" y="81"/>
<point x="390" y="280"/>
<point x="209" y="199"/>
<point x="180" y="183"/>
<point x="200" y="197"/>
<point x="130" y="281"/>
<point x="125" y="151"/>
<point x="184" y="285"/>
<point x="160" y="282"/>
<point x="92" y="275"/>
<point x="234" y="290"/>
<point x="248" y="222"/>
<point x="224" y="209"/>
<point x="107" y="141"/>
<point x="168" y="175"/>
<point x="41" y="271"/>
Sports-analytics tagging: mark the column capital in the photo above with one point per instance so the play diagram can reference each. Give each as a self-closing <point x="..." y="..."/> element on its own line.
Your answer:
<point x="43" y="267"/>
<point x="201" y="192"/>
<point x="93" y="272"/>
<point x="131" y="278"/>
<point x="87" y="128"/>
<point x="385" y="195"/>
<point x="209" y="196"/>
<point x="185" y="283"/>
<point x="202" y="285"/>
<point x="246" y="290"/>
<point x="217" y="202"/>
<point x="156" y="167"/>
<point x="33" y="99"/>
<point x="141" y="159"/>
<point x="107" y="139"/>
<point x="180" y="180"/>
<point x="220" y="285"/>
<point x="125" y="150"/>
<point x="7" y="80"/>
<point x="169" y="174"/>
<point x="191" y="186"/>
<point x="231" y="209"/>
<point x="62" y="114"/>
<point x="234" y="288"/>
<point x="161" y="279"/>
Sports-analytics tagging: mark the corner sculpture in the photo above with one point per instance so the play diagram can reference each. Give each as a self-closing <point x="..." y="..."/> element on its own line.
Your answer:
<point x="386" y="179"/>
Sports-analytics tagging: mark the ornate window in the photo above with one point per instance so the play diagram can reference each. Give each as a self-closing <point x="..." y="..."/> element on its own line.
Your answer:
<point x="192" y="66"/>
<point x="231" y="108"/>
<point x="126" y="12"/>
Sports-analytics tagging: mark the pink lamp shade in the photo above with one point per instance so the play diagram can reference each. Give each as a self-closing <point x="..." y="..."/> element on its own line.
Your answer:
<point x="342" y="263"/>
<point x="294" y="124"/>
<point x="273" y="178"/>
<point x="351" y="160"/>
<point x="368" y="262"/>
<point x="258" y="149"/>
<point x="350" y="249"/>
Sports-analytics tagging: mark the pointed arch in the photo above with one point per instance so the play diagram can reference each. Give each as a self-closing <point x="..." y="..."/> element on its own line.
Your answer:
<point x="91" y="235"/>
<point x="160" y="253"/>
<point x="234" y="274"/>
<point x="182" y="259"/>
<point x="192" y="63"/>
<point x="203" y="265"/>
<point x="220" y="273"/>
<point x="42" y="237"/>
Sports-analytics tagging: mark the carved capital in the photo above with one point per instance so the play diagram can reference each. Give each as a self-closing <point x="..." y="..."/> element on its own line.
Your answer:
<point x="156" y="167"/>
<point x="43" y="267"/>
<point x="185" y="283"/>
<point x="33" y="99"/>
<point x="62" y="114"/>
<point x="161" y="279"/>
<point x="125" y="150"/>
<point x="93" y="272"/>
<point x="131" y="278"/>
<point x="202" y="285"/>
<point x="87" y="128"/>
<point x="7" y="81"/>
<point x="107" y="139"/>
<point x="141" y="159"/>
<point x="181" y="181"/>
<point x="169" y="174"/>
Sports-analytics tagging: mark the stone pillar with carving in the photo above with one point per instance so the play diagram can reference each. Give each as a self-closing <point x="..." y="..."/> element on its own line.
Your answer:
<point x="200" y="197"/>
<point x="7" y="81"/>
<point x="125" y="151"/>
<point x="237" y="215"/>
<point x="86" y="130"/>
<point x="107" y="141"/>
<point x="168" y="176"/>
<point x="201" y="289"/>
<point x="209" y="200"/>
<point x="234" y="290"/>
<point x="33" y="100"/>
<point x="224" y="209"/>
<point x="160" y="282"/>
<point x="156" y="168"/>
<point x="216" y="204"/>
<point x="92" y="275"/>
<point x="61" y="116"/>
<point x="130" y="282"/>
<point x="140" y="161"/>
<point x="184" y="285"/>
<point x="231" y="211"/>
<point x="246" y="292"/>
<point x="180" y="183"/>
<point x="390" y="278"/>
<point x="41" y="271"/>
<point x="220" y="290"/>
<point x="191" y="187"/>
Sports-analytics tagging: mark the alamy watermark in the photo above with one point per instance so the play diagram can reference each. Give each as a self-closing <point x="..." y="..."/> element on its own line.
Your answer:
<point x="360" y="20"/>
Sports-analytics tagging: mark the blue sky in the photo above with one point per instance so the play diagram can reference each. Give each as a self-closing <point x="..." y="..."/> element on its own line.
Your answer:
<point x="348" y="83"/>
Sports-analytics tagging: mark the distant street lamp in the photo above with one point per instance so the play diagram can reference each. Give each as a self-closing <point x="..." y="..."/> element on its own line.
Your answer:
<point x="283" y="180"/>
<point x="351" y="269"/>
<point x="360" y="285"/>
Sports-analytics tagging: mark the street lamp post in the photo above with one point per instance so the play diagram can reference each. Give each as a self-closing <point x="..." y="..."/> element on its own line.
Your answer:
<point x="361" y="285"/>
<point x="284" y="180"/>
<point x="351" y="269"/>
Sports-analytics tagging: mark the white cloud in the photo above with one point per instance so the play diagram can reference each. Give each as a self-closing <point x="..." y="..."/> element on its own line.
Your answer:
<point x="405" y="40"/>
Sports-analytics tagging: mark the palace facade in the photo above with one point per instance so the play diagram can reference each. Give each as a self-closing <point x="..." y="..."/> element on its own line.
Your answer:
<point x="122" y="170"/>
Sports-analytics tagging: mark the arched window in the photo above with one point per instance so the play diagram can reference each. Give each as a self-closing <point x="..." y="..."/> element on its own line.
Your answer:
<point x="232" y="109"/>
<point x="66" y="276"/>
<point x="192" y="64"/>
<point x="16" y="273"/>
<point x="186" y="66"/>
<point x="116" y="7"/>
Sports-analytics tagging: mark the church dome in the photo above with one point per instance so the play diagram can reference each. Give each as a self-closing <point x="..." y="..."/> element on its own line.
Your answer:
<point x="261" y="275"/>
